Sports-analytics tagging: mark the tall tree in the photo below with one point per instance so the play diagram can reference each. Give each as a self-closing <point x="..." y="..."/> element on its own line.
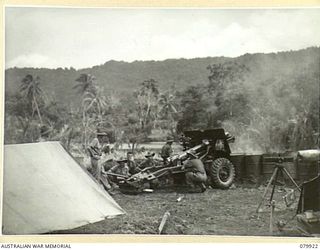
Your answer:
<point x="193" y="109"/>
<point x="32" y="91"/>
<point x="87" y="87"/>
<point x="86" y="83"/>
<point x="94" y="102"/>
<point x="167" y="103"/>
<point x="147" y="100"/>
<point x="226" y="87"/>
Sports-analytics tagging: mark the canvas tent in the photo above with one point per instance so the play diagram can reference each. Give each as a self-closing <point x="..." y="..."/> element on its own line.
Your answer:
<point x="44" y="189"/>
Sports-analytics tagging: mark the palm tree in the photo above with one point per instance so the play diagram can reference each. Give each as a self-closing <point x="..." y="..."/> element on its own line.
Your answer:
<point x="147" y="97"/>
<point x="167" y="104"/>
<point x="32" y="91"/>
<point x="167" y="107"/>
<point x="86" y="83"/>
<point x="95" y="102"/>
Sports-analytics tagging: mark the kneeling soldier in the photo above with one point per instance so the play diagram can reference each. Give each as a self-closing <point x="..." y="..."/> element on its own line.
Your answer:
<point x="196" y="173"/>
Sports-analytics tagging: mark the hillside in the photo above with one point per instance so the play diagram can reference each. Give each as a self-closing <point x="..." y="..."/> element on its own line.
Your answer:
<point x="124" y="77"/>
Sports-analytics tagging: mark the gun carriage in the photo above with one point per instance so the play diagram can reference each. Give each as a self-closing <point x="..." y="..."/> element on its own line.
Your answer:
<point x="210" y="146"/>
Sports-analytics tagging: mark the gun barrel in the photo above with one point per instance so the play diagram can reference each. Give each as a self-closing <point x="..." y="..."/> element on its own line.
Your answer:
<point x="184" y="154"/>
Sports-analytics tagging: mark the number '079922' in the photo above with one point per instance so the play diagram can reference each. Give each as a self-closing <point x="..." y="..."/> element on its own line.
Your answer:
<point x="309" y="246"/>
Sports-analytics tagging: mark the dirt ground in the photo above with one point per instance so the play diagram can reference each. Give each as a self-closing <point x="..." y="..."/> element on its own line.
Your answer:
<point x="214" y="212"/>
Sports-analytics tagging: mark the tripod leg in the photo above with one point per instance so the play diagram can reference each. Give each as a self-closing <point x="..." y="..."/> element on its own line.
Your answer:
<point x="275" y="171"/>
<point x="291" y="179"/>
<point x="274" y="186"/>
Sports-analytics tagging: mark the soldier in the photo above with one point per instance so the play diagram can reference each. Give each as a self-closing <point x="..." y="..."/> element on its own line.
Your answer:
<point x="149" y="161"/>
<point x="166" y="150"/>
<point x="95" y="149"/>
<point x="133" y="168"/>
<point x="196" y="173"/>
<point x="121" y="168"/>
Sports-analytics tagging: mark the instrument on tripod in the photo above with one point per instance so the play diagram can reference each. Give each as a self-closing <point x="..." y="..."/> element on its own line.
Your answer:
<point x="279" y="169"/>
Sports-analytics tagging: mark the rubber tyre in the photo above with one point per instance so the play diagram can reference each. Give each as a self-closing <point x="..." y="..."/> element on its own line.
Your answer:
<point x="222" y="173"/>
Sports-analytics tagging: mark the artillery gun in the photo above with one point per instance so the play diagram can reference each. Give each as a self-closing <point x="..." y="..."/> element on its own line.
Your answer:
<point x="210" y="146"/>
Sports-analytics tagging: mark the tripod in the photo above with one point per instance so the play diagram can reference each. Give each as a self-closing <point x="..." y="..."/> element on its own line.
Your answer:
<point x="274" y="177"/>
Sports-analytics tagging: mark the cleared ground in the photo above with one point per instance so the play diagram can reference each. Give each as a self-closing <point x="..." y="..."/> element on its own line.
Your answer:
<point x="214" y="212"/>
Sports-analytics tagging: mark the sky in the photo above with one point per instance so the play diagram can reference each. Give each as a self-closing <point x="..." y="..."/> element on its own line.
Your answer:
<point x="85" y="37"/>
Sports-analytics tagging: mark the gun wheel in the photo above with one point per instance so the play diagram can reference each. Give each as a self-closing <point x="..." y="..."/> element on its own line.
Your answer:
<point x="222" y="173"/>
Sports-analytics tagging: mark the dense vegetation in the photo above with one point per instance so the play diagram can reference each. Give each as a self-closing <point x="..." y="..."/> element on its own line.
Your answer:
<point x="270" y="102"/>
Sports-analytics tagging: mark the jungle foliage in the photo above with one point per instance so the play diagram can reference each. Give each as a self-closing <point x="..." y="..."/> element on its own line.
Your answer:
<point x="270" y="102"/>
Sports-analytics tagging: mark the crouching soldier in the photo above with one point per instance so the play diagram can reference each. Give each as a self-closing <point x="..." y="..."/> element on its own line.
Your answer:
<point x="196" y="174"/>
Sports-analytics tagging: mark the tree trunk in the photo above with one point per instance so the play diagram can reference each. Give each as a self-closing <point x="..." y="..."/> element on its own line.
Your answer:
<point x="37" y="108"/>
